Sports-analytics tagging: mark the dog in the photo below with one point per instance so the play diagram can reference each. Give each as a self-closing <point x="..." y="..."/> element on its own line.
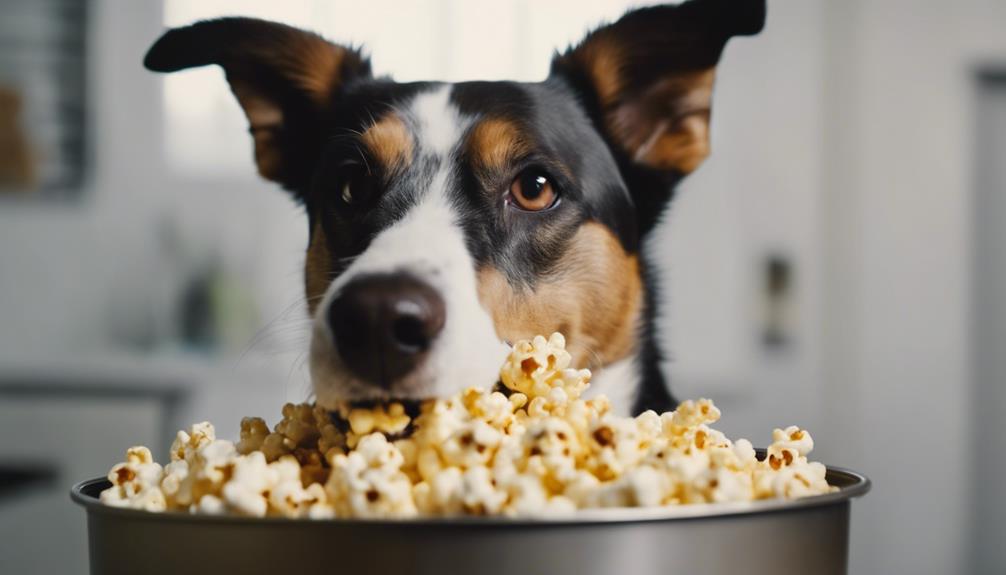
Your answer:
<point x="449" y="220"/>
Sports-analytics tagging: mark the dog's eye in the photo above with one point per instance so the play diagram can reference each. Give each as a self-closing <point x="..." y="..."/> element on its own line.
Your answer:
<point x="356" y="185"/>
<point x="533" y="191"/>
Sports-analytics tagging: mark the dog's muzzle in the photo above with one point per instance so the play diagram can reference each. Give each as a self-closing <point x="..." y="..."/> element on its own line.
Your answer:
<point x="384" y="325"/>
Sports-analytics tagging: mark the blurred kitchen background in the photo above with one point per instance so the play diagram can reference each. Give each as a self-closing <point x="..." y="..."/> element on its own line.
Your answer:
<point x="838" y="263"/>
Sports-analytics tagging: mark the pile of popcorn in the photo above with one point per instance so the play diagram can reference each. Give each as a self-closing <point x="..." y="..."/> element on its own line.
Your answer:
<point x="532" y="447"/>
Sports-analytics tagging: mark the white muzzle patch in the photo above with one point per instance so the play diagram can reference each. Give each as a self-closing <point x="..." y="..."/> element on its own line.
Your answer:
<point x="429" y="244"/>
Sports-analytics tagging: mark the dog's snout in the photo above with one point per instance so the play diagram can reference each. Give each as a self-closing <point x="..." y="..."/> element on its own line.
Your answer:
<point x="384" y="324"/>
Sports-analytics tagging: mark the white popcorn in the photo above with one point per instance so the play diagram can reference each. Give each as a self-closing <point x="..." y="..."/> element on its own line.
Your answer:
<point x="471" y="445"/>
<point x="640" y="487"/>
<point x="730" y="486"/>
<point x="368" y="482"/>
<point x="176" y="485"/>
<point x="793" y="438"/>
<point x="533" y="448"/>
<point x="528" y="496"/>
<point x="212" y="464"/>
<point x="251" y="480"/>
<point x="536" y="367"/>
<point x="478" y="493"/>
<point x="617" y="446"/>
<point x="551" y="449"/>
<point x="209" y="505"/>
<point x="136" y="482"/>
<point x="452" y="492"/>
<point x="188" y="443"/>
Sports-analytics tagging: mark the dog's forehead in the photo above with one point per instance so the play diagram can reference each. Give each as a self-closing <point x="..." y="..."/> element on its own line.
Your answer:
<point x="437" y="121"/>
<point x="438" y="115"/>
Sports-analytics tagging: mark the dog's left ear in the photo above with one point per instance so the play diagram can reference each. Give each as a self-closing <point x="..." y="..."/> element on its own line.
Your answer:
<point x="647" y="79"/>
<point x="284" y="78"/>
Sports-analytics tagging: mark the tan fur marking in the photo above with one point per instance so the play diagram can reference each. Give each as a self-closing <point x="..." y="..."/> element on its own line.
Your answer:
<point x="494" y="143"/>
<point x="390" y="142"/>
<point x="318" y="70"/>
<point x="601" y="57"/>
<point x="683" y="149"/>
<point x="311" y="63"/>
<point x="667" y="127"/>
<point x="317" y="269"/>
<point x="594" y="298"/>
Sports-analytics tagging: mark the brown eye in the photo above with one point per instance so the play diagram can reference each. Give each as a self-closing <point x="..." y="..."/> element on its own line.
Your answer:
<point x="356" y="185"/>
<point x="532" y="191"/>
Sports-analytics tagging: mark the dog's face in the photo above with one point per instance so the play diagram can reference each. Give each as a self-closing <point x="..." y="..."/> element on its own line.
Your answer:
<point x="448" y="219"/>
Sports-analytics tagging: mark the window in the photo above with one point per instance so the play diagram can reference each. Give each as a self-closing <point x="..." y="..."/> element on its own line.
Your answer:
<point x="42" y="96"/>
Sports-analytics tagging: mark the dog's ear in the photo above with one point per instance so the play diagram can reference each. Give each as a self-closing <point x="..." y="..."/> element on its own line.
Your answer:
<point x="284" y="79"/>
<point x="647" y="79"/>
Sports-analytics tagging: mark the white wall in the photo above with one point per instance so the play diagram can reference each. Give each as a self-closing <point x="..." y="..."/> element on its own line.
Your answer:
<point x="900" y="225"/>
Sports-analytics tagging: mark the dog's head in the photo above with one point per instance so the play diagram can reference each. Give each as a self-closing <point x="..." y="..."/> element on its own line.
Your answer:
<point x="448" y="219"/>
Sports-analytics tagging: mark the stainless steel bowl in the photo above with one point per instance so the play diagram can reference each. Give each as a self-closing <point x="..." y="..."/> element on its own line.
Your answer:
<point x="804" y="536"/>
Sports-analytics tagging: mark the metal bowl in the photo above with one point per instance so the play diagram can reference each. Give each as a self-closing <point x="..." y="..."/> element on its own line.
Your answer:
<point x="809" y="535"/>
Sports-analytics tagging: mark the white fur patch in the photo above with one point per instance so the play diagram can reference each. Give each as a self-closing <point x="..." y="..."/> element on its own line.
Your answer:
<point x="620" y="382"/>
<point x="438" y="121"/>
<point x="429" y="244"/>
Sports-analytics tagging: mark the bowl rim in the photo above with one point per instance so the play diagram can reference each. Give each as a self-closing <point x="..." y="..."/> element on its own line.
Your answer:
<point x="851" y="484"/>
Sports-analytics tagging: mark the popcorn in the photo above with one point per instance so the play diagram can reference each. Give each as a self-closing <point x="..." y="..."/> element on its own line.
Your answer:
<point x="175" y="483"/>
<point x="793" y="438"/>
<point x="369" y="482"/>
<point x="534" y="446"/>
<point x="536" y="367"/>
<point x="136" y="482"/>
<point x="253" y="434"/>
<point x="246" y="492"/>
<point x="389" y="419"/>
<point x="188" y="443"/>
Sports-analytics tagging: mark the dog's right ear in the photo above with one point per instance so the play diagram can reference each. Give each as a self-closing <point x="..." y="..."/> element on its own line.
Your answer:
<point x="284" y="79"/>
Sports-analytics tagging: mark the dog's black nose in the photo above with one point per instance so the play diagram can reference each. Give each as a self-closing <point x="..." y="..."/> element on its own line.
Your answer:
<point x="384" y="324"/>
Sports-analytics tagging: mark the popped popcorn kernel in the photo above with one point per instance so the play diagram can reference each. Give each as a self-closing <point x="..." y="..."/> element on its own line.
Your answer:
<point x="389" y="419"/>
<point x="253" y="433"/>
<point x="534" y="447"/>
<point x="793" y="438"/>
<point x="537" y="366"/>
<point x="187" y="443"/>
<point x="136" y="482"/>
<point x="369" y="482"/>
<point x="251" y="480"/>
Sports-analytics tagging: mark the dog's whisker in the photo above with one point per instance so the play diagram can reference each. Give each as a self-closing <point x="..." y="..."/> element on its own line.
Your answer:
<point x="296" y="365"/>
<point x="306" y="389"/>
<point x="281" y="319"/>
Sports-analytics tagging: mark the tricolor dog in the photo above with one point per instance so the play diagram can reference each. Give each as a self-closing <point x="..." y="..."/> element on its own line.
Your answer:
<point x="448" y="219"/>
